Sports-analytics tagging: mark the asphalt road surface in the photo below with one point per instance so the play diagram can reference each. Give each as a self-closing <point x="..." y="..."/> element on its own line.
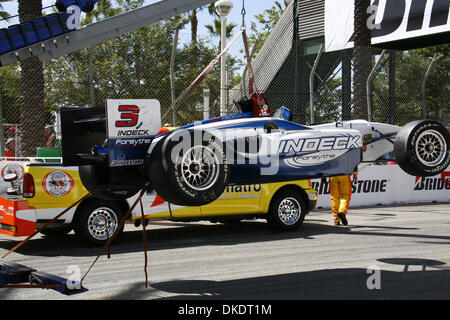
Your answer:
<point x="398" y="252"/>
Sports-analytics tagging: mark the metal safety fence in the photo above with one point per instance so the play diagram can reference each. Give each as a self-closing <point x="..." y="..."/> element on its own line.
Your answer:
<point x="396" y="87"/>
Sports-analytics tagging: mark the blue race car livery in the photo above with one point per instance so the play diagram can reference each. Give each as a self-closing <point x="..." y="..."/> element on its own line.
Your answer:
<point x="193" y="164"/>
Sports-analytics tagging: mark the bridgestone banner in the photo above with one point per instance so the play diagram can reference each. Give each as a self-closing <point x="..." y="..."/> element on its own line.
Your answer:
<point x="389" y="20"/>
<point x="389" y="184"/>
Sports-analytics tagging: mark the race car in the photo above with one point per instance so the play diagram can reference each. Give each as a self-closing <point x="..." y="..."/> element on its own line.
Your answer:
<point x="119" y="150"/>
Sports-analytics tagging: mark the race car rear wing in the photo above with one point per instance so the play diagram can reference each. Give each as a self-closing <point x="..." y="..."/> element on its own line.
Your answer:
<point x="120" y="133"/>
<point x="81" y="129"/>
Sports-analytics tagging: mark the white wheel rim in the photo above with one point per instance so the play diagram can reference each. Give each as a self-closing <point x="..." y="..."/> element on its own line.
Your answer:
<point x="200" y="168"/>
<point x="431" y="148"/>
<point x="289" y="211"/>
<point x="97" y="223"/>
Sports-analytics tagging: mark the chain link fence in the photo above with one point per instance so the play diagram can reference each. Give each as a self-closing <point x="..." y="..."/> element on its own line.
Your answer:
<point x="398" y="86"/>
<point x="317" y="87"/>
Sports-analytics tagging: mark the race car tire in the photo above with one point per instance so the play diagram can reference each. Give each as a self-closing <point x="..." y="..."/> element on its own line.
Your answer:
<point x="56" y="232"/>
<point x="89" y="221"/>
<point x="60" y="6"/>
<point x="422" y="148"/>
<point x="194" y="174"/>
<point x="157" y="175"/>
<point x="287" y="210"/>
<point x="111" y="183"/>
<point x="88" y="8"/>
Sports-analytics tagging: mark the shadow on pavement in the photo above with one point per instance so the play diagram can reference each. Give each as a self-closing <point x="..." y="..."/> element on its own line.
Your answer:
<point x="192" y="235"/>
<point x="327" y="284"/>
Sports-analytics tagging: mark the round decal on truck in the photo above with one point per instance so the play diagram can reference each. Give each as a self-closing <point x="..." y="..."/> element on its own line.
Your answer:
<point x="57" y="183"/>
<point x="13" y="168"/>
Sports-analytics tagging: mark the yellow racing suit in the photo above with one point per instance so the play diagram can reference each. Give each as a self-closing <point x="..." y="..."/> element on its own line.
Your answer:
<point x="341" y="193"/>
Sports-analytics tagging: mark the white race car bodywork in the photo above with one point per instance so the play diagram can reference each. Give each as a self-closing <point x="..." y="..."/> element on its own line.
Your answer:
<point x="192" y="165"/>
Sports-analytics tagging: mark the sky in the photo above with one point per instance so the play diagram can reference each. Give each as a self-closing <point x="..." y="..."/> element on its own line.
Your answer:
<point x="253" y="7"/>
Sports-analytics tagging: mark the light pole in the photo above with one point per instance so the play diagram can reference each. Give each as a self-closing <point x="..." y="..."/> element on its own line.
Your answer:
<point x="223" y="8"/>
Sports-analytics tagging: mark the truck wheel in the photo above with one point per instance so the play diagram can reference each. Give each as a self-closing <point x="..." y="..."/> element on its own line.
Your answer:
<point x="90" y="221"/>
<point x="190" y="175"/>
<point x="422" y="148"/>
<point x="287" y="210"/>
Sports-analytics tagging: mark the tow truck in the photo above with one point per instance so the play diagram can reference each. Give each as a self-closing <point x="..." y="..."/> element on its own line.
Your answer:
<point x="46" y="189"/>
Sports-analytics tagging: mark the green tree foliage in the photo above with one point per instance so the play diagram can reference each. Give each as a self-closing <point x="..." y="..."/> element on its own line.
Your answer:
<point x="3" y="14"/>
<point x="411" y="67"/>
<point x="328" y="101"/>
<point x="10" y="93"/>
<point x="265" y="22"/>
<point x="216" y="27"/>
<point x="134" y="65"/>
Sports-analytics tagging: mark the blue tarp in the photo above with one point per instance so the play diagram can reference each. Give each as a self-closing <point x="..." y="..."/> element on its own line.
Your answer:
<point x="21" y="35"/>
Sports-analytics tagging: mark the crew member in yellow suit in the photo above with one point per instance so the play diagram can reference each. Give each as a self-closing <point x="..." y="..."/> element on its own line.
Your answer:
<point x="341" y="194"/>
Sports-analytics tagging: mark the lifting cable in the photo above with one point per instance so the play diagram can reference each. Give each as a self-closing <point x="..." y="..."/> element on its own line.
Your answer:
<point x="252" y="89"/>
<point x="144" y="238"/>
<point x="106" y="246"/>
<point x="196" y="83"/>
<point x="119" y="227"/>
<point x="251" y="77"/>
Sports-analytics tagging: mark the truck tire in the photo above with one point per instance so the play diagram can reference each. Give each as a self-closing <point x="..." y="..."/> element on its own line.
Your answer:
<point x="196" y="176"/>
<point x="89" y="221"/>
<point x="287" y="210"/>
<point x="422" y="148"/>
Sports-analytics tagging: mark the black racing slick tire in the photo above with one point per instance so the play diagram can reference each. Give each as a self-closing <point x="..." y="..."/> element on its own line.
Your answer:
<point x="111" y="183"/>
<point x="422" y="148"/>
<point x="188" y="172"/>
<point x="56" y="232"/>
<point x="60" y="6"/>
<point x="287" y="210"/>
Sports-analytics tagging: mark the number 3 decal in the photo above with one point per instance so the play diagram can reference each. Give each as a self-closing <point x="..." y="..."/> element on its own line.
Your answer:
<point x="129" y="114"/>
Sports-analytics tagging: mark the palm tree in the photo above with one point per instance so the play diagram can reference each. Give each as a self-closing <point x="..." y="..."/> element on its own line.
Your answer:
<point x="104" y="8"/>
<point x="215" y="29"/>
<point x="32" y="89"/>
<point x="194" y="25"/>
<point x="194" y="20"/>
<point x="362" y="59"/>
<point x="3" y="14"/>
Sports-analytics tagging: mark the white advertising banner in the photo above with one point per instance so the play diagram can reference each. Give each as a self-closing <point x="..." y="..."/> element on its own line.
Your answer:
<point x="131" y="124"/>
<point x="133" y="118"/>
<point x="389" y="184"/>
<point x="389" y="20"/>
